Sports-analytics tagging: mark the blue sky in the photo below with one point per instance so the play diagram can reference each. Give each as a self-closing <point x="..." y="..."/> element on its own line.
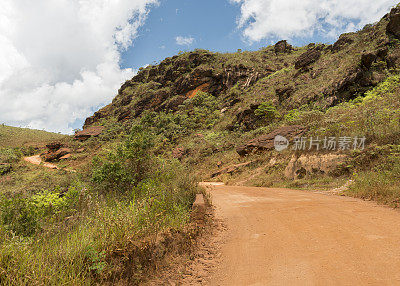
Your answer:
<point x="63" y="60"/>
<point x="212" y="24"/>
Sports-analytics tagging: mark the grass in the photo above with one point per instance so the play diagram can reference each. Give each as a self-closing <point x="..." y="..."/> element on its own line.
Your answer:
<point x="84" y="228"/>
<point x="19" y="137"/>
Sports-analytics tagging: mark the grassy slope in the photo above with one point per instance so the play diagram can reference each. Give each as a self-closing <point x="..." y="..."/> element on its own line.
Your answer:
<point x="19" y="137"/>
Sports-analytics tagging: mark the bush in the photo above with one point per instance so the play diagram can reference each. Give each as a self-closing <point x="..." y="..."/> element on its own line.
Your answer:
<point x="123" y="167"/>
<point x="267" y="111"/>
<point x="24" y="215"/>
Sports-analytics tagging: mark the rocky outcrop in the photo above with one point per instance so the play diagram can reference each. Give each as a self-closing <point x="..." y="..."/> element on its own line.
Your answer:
<point x="266" y="142"/>
<point x="54" y="146"/>
<point x="303" y="165"/>
<point x="240" y="74"/>
<point x="307" y="58"/>
<point x="53" y="155"/>
<point x="282" y="47"/>
<point x="149" y="102"/>
<point x="393" y="27"/>
<point x="232" y="169"/>
<point x="246" y="118"/>
<point x="367" y="59"/>
<point x="88" y="132"/>
<point x="284" y="92"/>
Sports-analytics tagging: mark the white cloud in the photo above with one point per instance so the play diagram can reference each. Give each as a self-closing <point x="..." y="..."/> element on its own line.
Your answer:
<point x="262" y="19"/>
<point x="184" y="41"/>
<point x="60" y="59"/>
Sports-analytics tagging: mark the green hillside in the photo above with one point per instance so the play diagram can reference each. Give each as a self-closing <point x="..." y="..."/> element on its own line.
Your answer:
<point x="17" y="137"/>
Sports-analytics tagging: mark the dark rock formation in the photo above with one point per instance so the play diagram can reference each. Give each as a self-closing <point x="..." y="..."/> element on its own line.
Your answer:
<point x="393" y="27"/>
<point x="54" y="146"/>
<point x="367" y="59"/>
<point x="88" y="132"/>
<point x="52" y="155"/>
<point x="307" y="58"/>
<point x="266" y="142"/>
<point x="282" y="47"/>
<point x="247" y="118"/>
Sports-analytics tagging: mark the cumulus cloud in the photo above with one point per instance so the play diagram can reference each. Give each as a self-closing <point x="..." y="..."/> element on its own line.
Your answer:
<point x="184" y="41"/>
<point x="262" y="19"/>
<point x="60" y="59"/>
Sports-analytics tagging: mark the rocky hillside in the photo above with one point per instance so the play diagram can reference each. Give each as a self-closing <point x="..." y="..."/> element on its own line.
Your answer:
<point x="215" y="112"/>
<point x="289" y="77"/>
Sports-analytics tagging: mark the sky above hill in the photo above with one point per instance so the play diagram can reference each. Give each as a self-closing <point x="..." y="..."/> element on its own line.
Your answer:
<point x="61" y="60"/>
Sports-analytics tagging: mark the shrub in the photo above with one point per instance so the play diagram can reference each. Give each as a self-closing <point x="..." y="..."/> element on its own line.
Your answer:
<point x="267" y="111"/>
<point x="123" y="167"/>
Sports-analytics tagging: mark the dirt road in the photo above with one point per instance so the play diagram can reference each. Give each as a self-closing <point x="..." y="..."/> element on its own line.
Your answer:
<point x="289" y="237"/>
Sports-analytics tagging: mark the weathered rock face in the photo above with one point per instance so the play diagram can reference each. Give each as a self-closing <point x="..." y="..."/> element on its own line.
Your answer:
<point x="284" y="92"/>
<point x="54" y="146"/>
<point x="232" y="169"/>
<point x="53" y="155"/>
<point x="150" y="102"/>
<point x="247" y="118"/>
<point x="88" y="132"/>
<point x="304" y="165"/>
<point x="393" y="27"/>
<point x="307" y="58"/>
<point x="240" y="73"/>
<point x="266" y="142"/>
<point x="282" y="47"/>
<point x="367" y="59"/>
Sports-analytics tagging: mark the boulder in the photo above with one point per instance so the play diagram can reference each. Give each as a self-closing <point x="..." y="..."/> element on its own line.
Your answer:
<point x="55" y="155"/>
<point x="88" y="132"/>
<point x="266" y="142"/>
<point x="393" y="27"/>
<point x="54" y="146"/>
<point x="307" y="58"/>
<point x="247" y="118"/>
<point x="5" y="168"/>
<point x="282" y="47"/>
<point x="301" y="166"/>
<point x="66" y="157"/>
<point x="367" y="59"/>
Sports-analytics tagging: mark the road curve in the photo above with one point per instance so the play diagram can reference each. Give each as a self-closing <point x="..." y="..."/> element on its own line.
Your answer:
<point x="291" y="237"/>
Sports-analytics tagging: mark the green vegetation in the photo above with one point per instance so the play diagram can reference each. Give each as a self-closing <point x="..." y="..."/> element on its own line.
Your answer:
<point x="68" y="232"/>
<point x="18" y="137"/>
<point x="136" y="180"/>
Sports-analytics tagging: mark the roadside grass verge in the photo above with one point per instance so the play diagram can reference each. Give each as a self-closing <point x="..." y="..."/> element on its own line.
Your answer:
<point x="99" y="226"/>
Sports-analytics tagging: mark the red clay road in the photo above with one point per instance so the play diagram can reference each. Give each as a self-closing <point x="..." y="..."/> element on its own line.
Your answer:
<point x="291" y="237"/>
